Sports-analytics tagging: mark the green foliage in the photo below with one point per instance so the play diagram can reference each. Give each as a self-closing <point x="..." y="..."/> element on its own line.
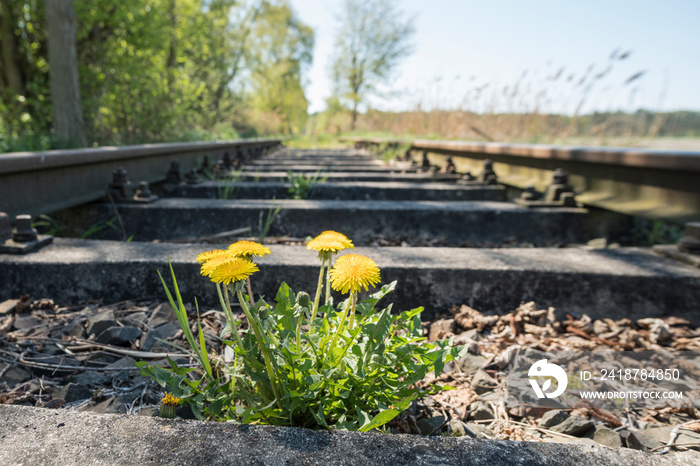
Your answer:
<point x="228" y="188"/>
<point x="160" y="70"/>
<point x="264" y="226"/>
<point x="389" y="151"/>
<point x="329" y="376"/>
<point x="646" y="232"/>
<point x="301" y="185"/>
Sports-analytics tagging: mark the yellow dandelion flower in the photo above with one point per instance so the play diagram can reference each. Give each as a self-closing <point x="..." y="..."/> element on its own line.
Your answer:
<point x="205" y="256"/>
<point x="168" y="406"/>
<point x="352" y="272"/>
<point x="330" y="241"/>
<point x="170" y="399"/>
<point x="232" y="271"/>
<point x="248" y="249"/>
<point x="218" y="259"/>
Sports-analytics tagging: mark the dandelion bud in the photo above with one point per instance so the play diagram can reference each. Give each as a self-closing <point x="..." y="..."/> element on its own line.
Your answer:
<point x="264" y="313"/>
<point x="303" y="299"/>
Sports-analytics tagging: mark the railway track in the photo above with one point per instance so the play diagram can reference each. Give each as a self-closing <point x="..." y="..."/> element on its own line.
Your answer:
<point x="471" y="244"/>
<point x="448" y="238"/>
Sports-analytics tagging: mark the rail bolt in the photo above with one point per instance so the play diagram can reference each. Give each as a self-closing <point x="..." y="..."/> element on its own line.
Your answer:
<point x="450" y="167"/>
<point x="206" y="164"/>
<point x="425" y="162"/>
<point x="690" y="242"/>
<point x="530" y="194"/>
<point x="192" y="177"/>
<point x="119" y="188"/>
<point x="24" y="233"/>
<point x="560" y="186"/>
<point x="174" y="175"/>
<point x="143" y="193"/>
<point x="228" y="163"/>
<point x="488" y="175"/>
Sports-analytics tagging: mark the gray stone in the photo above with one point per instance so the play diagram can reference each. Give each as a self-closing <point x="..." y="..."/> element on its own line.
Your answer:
<point x="135" y="319"/>
<point x="552" y="418"/>
<point x="458" y="428"/>
<point x="607" y="437"/>
<point x="168" y="330"/>
<point x="91" y="378"/>
<point x="483" y="382"/>
<point x="430" y="425"/>
<point x="471" y="362"/>
<point x="72" y="392"/>
<point x="26" y="322"/>
<point x="439" y="328"/>
<point x="74" y="329"/>
<point x="654" y="437"/>
<point x="148" y="411"/>
<point x="14" y="375"/>
<point x="162" y="314"/>
<point x="574" y="425"/>
<point x="98" y="323"/>
<point x="42" y="436"/>
<point x="149" y="339"/>
<point x="480" y="411"/>
<point x="53" y="361"/>
<point x="119" y="336"/>
<point x="479" y="430"/>
<point x="123" y="363"/>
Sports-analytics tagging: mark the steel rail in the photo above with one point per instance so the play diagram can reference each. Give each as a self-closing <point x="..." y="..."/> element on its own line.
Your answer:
<point x="656" y="184"/>
<point x="44" y="182"/>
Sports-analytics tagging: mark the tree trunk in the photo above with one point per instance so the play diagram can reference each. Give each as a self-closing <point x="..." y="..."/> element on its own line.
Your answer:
<point x="354" y="116"/>
<point x="63" y="61"/>
<point x="13" y="77"/>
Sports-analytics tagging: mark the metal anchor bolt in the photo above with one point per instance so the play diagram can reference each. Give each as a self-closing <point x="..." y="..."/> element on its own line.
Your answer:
<point x="228" y="163"/>
<point x="24" y="233"/>
<point x="192" y="177"/>
<point x="530" y="194"/>
<point x="559" y="187"/>
<point x="118" y="189"/>
<point x="206" y="163"/>
<point x="488" y="175"/>
<point x="450" y="166"/>
<point x="425" y="163"/>
<point x="174" y="175"/>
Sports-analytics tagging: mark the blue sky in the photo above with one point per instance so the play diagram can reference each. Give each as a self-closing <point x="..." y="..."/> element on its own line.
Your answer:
<point x="461" y="46"/>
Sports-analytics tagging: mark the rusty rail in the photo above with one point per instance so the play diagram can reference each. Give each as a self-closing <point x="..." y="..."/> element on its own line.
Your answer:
<point x="656" y="184"/>
<point x="44" y="182"/>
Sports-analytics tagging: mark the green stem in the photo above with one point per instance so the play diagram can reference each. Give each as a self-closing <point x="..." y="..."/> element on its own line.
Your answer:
<point x="352" y="311"/>
<point x="341" y="325"/>
<point x="328" y="279"/>
<point x="301" y="317"/>
<point x="257" y="330"/>
<point x="250" y="292"/>
<point x="318" y="294"/>
<point x="234" y="326"/>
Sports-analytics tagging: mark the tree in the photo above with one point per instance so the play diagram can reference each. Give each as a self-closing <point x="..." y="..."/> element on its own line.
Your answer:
<point x="374" y="36"/>
<point x="280" y="50"/>
<point x="63" y="61"/>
